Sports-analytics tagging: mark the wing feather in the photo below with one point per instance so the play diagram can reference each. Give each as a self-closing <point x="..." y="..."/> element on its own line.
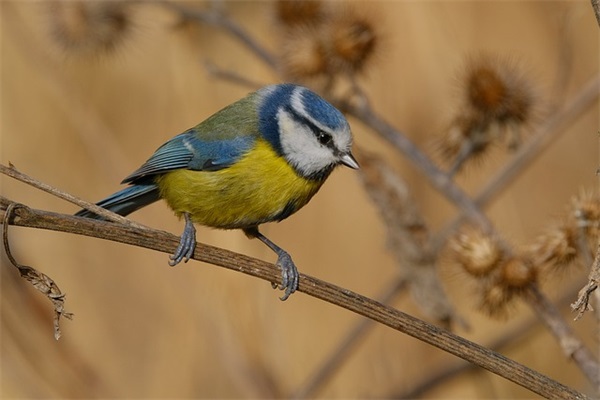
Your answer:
<point x="214" y="144"/>
<point x="189" y="151"/>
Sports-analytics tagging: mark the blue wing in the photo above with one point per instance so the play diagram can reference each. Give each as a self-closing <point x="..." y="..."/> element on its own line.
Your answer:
<point x="192" y="151"/>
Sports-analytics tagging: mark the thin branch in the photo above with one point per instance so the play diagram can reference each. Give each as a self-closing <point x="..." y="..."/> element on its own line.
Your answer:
<point x="166" y="242"/>
<point x="40" y="281"/>
<point x="230" y="76"/>
<point x="344" y="349"/>
<point x="569" y="343"/>
<point x="465" y="153"/>
<point x="455" y="367"/>
<point x="103" y="212"/>
<point x="438" y="178"/>
<point x="217" y="18"/>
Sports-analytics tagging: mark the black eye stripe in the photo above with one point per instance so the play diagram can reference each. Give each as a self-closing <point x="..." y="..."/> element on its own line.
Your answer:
<point x="305" y="121"/>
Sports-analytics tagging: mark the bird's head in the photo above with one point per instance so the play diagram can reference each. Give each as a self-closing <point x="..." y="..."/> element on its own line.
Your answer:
<point x="311" y="134"/>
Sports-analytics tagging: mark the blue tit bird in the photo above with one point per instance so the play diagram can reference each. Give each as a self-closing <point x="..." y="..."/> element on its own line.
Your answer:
<point x="257" y="160"/>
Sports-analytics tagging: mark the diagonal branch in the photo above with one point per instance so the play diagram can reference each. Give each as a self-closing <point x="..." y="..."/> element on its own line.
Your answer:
<point x="165" y="242"/>
<point x="326" y="371"/>
<point x="437" y="178"/>
<point x="103" y="212"/>
<point x="568" y="342"/>
<point x="215" y="17"/>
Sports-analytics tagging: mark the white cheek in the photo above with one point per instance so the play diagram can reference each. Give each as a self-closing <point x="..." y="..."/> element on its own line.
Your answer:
<point x="301" y="147"/>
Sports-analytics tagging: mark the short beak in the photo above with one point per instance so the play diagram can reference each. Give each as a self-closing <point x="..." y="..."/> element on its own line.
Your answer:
<point x="349" y="161"/>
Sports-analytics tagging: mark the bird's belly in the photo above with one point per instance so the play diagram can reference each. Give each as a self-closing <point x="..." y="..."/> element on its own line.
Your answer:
<point x="256" y="189"/>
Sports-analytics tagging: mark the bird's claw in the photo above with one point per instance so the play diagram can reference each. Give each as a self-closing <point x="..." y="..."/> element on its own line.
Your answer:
<point x="184" y="251"/>
<point x="187" y="245"/>
<point x="289" y="276"/>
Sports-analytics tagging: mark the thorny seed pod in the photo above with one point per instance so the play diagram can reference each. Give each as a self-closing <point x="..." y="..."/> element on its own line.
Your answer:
<point x="304" y="54"/>
<point x="89" y="27"/>
<point x="353" y="40"/>
<point x="494" y="299"/>
<point x="299" y="12"/>
<point x="498" y="104"/>
<point x="498" y="90"/>
<point x="339" y="41"/>
<point x="478" y="254"/>
<point x="517" y="273"/>
<point x="556" y="248"/>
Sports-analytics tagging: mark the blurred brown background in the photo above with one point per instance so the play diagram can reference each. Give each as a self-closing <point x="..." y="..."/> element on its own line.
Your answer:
<point x="142" y="329"/>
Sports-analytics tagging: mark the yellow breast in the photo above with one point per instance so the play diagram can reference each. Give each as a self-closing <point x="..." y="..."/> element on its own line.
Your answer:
<point x="260" y="187"/>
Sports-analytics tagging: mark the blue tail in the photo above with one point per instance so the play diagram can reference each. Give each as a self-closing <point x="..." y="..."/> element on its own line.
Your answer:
<point x="126" y="201"/>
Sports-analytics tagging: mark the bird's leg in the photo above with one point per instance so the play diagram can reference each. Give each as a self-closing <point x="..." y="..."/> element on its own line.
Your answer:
<point x="187" y="243"/>
<point x="289" y="272"/>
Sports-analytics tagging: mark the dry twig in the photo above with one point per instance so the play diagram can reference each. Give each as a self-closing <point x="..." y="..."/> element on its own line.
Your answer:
<point x="569" y="343"/>
<point x="343" y="351"/>
<point x="103" y="212"/>
<point x="42" y="282"/>
<point x="582" y="304"/>
<point x="454" y="367"/>
<point x="165" y="242"/>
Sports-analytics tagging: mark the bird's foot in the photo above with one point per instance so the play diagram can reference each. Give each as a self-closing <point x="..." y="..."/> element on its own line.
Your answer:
<point x="289" y="275"/>
<point x="187" y="243"/>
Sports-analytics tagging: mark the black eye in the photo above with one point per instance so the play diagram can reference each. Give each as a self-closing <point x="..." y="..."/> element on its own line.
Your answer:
<point x="324" y="138"/>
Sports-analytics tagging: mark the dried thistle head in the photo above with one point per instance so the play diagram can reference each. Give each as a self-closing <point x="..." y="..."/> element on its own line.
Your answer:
<point x="89" y="27"/>
<point x="304" y="53"/>
<point x="512" y="278"/>
<point x="495" y="299"/>
<point x="299" y="12"/>
<point x="556" y="248"/>
<point x="353" y="41"/>
<point x="497" y="105"/>
<point x="517" y="273"/>
<point x="478" y="254"/>
<point x="334" y="42"/>
<point x="498" y="90"/>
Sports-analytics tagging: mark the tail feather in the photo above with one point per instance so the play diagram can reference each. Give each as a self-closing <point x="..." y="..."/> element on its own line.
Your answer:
<point x="126" y="201"/>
